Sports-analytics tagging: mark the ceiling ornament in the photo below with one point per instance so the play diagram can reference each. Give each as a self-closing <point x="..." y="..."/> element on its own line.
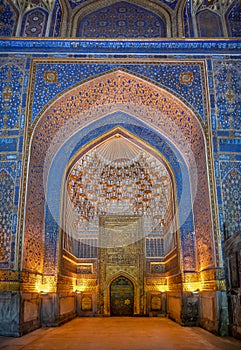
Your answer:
<point x="119" y="177"/>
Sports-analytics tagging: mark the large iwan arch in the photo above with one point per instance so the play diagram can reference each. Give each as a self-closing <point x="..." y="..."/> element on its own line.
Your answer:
<point x="155" y="117"/>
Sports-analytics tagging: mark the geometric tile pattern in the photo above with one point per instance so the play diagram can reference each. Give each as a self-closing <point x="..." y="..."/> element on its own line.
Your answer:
<point x="56" y="20"/>
<point x="10" y="173"/>
<point x="8" y="20"/>
<point x="234" y="20"/>
<point x="231" y="195"/>
<point x="6" y="213"/>
<point x="166" y="73"/>
<point x="121" y="20"/>
<point x="34" y="23"/>
<point x="184" y="79"/>
<point x="227" y="77"/>
<point x="226" y="123"/>
<point x="225" y="106"/>
<point x="11" y="86"/>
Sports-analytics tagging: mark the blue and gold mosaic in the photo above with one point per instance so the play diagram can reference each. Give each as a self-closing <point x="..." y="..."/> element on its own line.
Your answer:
<point x="185" y="80"/>
<point x="227" y="75"/>
<point x="121" y="20"/>
<point x="56" y="20"/>
<point x="234" y="20"/>
<point x="66" y="93"/>
<point x="34" y="23"/>
<point x="86" y="135"/>
<point x="230" y="173"/>
<point x="9" y="196"/>
<point x="11" y="96"/>
<point x="178" y="98"/>
<point x="100" y="96"/>
<point x="8" y="20"/>
<point x="126" y="19"/>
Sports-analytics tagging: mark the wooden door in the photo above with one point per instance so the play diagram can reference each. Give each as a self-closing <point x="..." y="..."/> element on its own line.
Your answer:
<point x="122" y="297"/>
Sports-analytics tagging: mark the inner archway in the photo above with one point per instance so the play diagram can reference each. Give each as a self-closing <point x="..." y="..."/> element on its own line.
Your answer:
<point x="120" y="215"/>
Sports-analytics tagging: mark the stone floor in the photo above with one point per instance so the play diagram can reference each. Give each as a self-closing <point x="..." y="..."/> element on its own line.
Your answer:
<point x="120" y="333"/>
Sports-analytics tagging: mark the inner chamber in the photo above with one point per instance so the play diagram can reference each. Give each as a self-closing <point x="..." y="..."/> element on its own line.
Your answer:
<point x="118" y="227"/>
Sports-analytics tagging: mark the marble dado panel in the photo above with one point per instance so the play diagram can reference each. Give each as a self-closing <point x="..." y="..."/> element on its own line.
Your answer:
<point x="31" y="307"/>
<point x="10" y="313"/>
<point x="67" y="305"/>
<point x="174" y="306"/>
<point x="30" y="311"/>
<point x="208" y="307"/>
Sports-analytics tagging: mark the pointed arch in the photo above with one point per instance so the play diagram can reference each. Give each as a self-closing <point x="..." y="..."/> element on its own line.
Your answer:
<point x="34" y="23"/>
<point x="121" y="20"/>
<point x="57" y="19"/>
<point x="87" y="9"/>
<point x="11" y="96"/>
<point x="158" y="115"/>
<point x="189" y="104"/>
<point x="128" y="277"/>
<point x="209" y="24"/>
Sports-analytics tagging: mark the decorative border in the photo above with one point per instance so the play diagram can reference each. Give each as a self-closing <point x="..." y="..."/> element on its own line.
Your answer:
<point x="122" y="47"/>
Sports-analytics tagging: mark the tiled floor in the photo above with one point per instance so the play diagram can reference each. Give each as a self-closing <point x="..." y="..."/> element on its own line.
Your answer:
<point x="120" y="333"/>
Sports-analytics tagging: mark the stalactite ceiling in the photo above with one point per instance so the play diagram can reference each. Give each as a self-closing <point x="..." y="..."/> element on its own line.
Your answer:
<point x="118" y="177"/>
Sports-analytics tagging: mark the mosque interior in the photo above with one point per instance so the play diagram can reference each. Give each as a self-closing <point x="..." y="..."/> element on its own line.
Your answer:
<point x="120" y="162"/>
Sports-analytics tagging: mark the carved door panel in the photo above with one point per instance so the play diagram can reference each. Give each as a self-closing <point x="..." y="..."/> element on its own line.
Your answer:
<point x="122" y="297"/>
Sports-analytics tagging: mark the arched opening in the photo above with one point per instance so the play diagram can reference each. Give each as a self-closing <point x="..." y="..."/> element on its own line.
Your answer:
<point x="119" y="214"/>
<point x="120" y="108"/>
<point x="122" y="297"/>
